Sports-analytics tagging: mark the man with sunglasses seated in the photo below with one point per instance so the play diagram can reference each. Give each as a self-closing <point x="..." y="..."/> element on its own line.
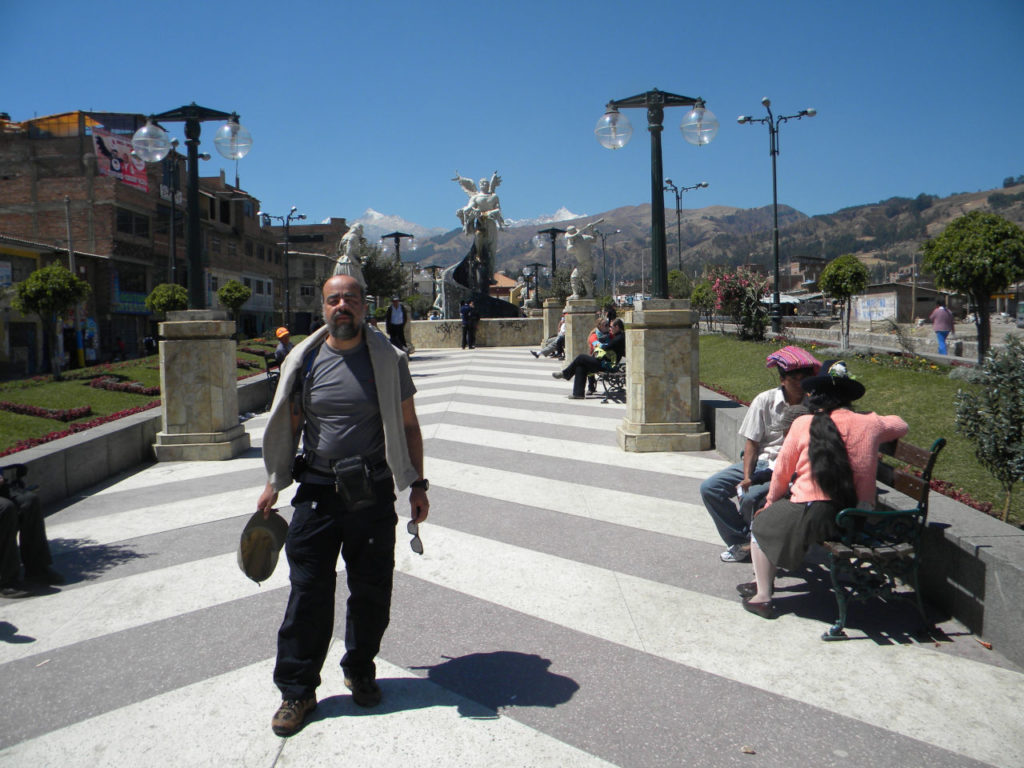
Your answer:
<point x="348" y="391"/>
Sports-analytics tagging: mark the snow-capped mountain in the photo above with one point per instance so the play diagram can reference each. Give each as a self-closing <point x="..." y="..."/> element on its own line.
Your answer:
<point x="376" y="224"/>
<point x="562" y="214"/>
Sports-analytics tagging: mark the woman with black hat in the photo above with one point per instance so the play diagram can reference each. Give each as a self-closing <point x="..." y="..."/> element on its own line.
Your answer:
<point x="831" y="458"/>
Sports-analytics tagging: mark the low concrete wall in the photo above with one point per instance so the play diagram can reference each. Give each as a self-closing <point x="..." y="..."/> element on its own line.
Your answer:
<point x="490" y="332"/>
<point x="973" y="568"/>
<point x="66" y="466"/>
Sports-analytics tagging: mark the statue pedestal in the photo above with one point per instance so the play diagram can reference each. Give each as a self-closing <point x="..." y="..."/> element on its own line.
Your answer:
<point x="662" y="380"/>
<point x="199" y="387"/>
<point x="578" y="324"/>
<point x="552" y="317"/>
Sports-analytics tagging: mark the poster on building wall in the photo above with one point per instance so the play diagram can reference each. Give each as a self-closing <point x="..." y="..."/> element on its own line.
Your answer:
<point x="880" y="306"/>
<point x="114" y="158"/>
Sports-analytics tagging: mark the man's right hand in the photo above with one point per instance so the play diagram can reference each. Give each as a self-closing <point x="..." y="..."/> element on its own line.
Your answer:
<point x="267" y="501"/>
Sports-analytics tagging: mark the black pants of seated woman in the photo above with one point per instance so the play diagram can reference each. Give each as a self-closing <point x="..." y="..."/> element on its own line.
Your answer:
<point x="578" y="369"/>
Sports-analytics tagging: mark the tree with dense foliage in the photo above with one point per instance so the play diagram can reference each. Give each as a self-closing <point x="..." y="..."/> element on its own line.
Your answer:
<point x="738" y="292"/>
<point x="842" y="279"/>
<point x="992" y="416"/>
<point x="385" y="277"/>
<point x="679" y="285"/>
<point x="167" y="297"/>
<point x="978" y="254"/>
<point x="50" y="292"/>
<point x="232" y="295"/>
<point x="702" y="300"/>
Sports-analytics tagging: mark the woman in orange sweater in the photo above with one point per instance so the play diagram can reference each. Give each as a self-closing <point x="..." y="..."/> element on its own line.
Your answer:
<point x="830" y="457"/>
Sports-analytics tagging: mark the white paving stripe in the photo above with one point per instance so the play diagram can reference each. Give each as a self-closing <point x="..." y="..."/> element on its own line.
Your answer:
<point x="974" y="711"/>
<point x="647" y="513"/>
<point x="597" y="421"/>
<point x="678" y="464"/>
<point x="225" y="720"/>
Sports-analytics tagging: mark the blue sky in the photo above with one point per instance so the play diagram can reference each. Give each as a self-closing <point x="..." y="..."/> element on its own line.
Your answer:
<point x="376" y="104"/>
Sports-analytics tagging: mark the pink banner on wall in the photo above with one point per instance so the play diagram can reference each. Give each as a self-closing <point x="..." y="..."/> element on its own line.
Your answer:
<point x="114" y="158"/>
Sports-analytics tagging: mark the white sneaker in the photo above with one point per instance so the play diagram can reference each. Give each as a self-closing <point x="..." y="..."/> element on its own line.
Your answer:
<point x="737" y="553"/>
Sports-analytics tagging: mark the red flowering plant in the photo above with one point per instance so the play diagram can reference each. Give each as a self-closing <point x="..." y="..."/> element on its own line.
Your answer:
<point x="80" y="426"/>
<point x="61" y="414"/>
<point x="738" y="293"/>
<point x="112" y="384"/>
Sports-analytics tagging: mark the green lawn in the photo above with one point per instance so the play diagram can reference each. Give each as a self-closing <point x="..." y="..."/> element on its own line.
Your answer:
<point x="924" y="399"/>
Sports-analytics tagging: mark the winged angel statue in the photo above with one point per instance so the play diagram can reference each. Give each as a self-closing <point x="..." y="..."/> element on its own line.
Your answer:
<point x="481" y="218"/>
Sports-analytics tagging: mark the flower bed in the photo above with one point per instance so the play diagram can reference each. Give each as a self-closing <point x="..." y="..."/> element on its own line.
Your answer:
<point x="74" y="428"/>
<point x="63" y="414"/>
<point x="112" y="384"/>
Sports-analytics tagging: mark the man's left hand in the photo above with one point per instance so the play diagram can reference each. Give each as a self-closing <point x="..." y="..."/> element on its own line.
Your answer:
<point x="419" y="505"/>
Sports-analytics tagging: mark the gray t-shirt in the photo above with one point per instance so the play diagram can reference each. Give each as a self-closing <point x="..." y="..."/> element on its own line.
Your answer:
<point x="340" y="404"/>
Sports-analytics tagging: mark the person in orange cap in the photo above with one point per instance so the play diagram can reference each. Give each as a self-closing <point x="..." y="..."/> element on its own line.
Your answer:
<point x="284" y="344"/>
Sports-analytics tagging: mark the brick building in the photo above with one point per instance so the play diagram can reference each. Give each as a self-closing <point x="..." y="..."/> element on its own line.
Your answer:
<point x="73" y="172"/>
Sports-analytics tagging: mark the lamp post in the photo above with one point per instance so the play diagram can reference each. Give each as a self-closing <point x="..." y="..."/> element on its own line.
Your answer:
<point x="553" y="233"/>
<point x="773" y="124"/>
<point x="287" y="222"/>
<point x="604" y="253"/>
<point x="152" y="144"/>
<point x="679" y="209"/>
<point x="533" y="270"/>
<point x="171" y="174"/>
<point x="433" y="281"/>
<point x="397" y="237"/>
<point x="613" y="131"/>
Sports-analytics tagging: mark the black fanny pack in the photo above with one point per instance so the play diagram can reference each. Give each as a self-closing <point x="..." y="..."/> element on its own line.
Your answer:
<point x="353" y="479"/>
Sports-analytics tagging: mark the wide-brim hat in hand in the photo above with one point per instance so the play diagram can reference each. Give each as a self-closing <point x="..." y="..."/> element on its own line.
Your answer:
<point x="835" y="380"/>
<point x="260" y="545"/>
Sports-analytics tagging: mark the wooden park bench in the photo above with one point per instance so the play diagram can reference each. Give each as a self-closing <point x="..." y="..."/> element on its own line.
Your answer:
<point x="881" y="548"/>
<point x="273" y="376"/>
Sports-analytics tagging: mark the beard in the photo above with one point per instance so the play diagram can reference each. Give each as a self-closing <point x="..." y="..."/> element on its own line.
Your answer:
<point x="343" y="326"/>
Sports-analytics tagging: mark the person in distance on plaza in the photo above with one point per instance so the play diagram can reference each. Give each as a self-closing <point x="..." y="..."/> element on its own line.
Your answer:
<point x="348" y="391"/>
<point x="555" y="346"/>
<point x="470" y="317"/>
<point x="396" y="318"/>
<point x="604" y="358"/>
<point x="746" y="481"/>
<point x="284" y="344"/>
<point x="831" y="457"/>
<point x="942" y="323"/>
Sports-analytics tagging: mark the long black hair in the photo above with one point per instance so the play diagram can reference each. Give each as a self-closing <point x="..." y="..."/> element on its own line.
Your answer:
<point x="830" y="463"/>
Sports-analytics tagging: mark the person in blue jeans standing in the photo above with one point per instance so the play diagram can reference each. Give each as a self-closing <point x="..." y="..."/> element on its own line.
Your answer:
<point x="763" y="428"/>
<point x="942" y="323"/>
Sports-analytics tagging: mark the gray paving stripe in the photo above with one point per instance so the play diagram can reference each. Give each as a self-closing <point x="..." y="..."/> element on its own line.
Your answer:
<point x="539" y="427"/>
<point x="488" y="654"/>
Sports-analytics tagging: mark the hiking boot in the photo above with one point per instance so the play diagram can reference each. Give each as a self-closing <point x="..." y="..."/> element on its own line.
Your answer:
<point x="737" y="553"/>
<point x="365" y="691"/>
<point x="291" y="716"/>
<point x="13" y="590"/>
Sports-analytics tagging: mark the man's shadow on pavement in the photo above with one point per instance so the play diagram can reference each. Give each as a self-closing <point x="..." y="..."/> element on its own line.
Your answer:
<point x="478" y="684"/>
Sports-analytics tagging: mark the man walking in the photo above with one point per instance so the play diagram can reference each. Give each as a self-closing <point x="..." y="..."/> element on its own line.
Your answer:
<point x="395" y="320"/>
<point x="470" y="317"/>
<point x="349" y="392"/>
<point x="942" y="323"/>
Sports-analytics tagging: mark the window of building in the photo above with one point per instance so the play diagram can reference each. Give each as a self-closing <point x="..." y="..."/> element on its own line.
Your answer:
<point x="248" y="248"/>
<point x="232" y="248"/>
<point x="213" y="282"/>
<point x="305" y="291"/>
<point x="225" y="211"/>
<point x="214" y="244"/>
<point x="259" y="287"/>
<point x="259" y="253"/>
<point x="247" y="282"/>
<point x="132" y="223"/>
<point x="249" y="209"/>
<point x="277" y="257"/>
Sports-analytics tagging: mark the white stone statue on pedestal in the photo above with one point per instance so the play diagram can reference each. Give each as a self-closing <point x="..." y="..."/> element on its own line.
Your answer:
<point x="348" y="254"/>
<point x="578" y="245"/>
<point x="481" y="217"/>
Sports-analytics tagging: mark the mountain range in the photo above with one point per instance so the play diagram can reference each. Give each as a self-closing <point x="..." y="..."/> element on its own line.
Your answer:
<point x="884" y="235"/>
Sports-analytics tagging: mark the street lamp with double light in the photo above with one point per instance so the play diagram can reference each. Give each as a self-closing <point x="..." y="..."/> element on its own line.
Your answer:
<point x="287" y="222"/>
<point x="553" y="233"/>
<point x="604" y="254"/>
<point x="152" y="144"/>
<point x="679" y="209"/>
<point x="613" y="131"/>
<point x="773" y="124"/>
<point x="397" y="237"/>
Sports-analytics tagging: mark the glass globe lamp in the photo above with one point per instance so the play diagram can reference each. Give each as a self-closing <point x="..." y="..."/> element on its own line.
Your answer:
<point x="699" y="126"/>
<point x="233" y="140"/>
<point x="151" y="142"/>
<point x="613" y="130"/>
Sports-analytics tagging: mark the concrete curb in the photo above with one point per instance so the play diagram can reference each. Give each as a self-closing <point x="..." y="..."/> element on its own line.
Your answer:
<point x="975" y="567"/>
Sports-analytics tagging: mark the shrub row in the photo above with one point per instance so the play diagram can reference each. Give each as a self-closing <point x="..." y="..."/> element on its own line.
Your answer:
<point x="81" y="426"/>
<point x="134" y="387"/>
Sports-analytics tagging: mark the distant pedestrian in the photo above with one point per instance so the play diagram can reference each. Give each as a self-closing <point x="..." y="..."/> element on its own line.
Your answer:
<point x="284" y="344"/>
<point x="942" y="323"/>
<point x="470" y="318"/>
<point x="395" y="320"/>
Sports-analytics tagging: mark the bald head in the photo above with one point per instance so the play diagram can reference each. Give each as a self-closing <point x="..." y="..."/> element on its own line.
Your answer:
<point x="344" y="307"/>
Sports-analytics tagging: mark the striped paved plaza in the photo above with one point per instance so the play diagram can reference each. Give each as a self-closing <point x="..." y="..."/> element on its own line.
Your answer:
<point x="570" y="610"/>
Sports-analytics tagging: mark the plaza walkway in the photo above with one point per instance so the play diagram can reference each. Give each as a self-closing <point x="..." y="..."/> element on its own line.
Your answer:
<point x="570" y="610"/>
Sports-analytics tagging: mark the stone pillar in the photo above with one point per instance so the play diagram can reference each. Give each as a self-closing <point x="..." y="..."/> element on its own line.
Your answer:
<point x="579" y="323"/>
<point x="552" y="317"/>
<point x="662" y="380"/>
<point x="199" y="388"/>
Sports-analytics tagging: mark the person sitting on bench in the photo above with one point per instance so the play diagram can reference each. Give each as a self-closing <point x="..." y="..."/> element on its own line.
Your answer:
<point x="22" y="528"/>
<point x="604" y="358"/>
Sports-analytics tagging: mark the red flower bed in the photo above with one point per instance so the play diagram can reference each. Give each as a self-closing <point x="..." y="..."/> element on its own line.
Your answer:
<point x="63" y="414"/>
<point x="79" y="427"/>
<point x="134" y="387"/>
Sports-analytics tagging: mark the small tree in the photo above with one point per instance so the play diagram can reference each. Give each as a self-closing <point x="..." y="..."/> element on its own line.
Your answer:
<point x="978" y="254"/>
<point x="50" y="292"/>
<point x="992" y="416"/>
<point x="739" y="295"/>
<point x="232" y="295"/>
<point x="842" y="279"/>
<point x="385" y="277"/>
<point x="703" y="301"/>
<point x="679" y="285"/>
<point x="167" y="297"/>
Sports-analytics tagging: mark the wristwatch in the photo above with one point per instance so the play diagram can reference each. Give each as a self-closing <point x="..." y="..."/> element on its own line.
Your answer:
<point x="424" y="484"/>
